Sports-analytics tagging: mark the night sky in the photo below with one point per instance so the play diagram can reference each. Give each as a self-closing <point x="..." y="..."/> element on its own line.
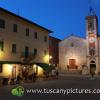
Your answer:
<point x="63" y="17"/>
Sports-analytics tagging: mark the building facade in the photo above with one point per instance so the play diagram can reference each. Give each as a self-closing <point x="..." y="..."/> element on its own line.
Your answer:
<point x="54" y="50"/>
<point x="77" y="53"/>
<point x="22" y="43"/>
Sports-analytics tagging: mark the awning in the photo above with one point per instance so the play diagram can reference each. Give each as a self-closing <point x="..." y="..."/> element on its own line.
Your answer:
<point x="45" y="66"/>
<point x="9" y="62"/>
<point x="15" y="62"/>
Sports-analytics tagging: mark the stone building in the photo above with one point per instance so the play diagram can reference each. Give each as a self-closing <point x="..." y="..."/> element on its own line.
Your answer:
<point x="77" y="53"/>
<point x="22" y="42"/>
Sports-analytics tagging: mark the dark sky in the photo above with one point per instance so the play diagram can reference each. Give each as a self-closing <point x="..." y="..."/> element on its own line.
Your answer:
<point x="63" y="17"/>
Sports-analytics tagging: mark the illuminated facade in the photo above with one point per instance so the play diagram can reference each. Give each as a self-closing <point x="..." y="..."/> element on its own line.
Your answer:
<point x="72" y="53"/>
<point x="22" y="43"/>
<point x="77" y="53"/>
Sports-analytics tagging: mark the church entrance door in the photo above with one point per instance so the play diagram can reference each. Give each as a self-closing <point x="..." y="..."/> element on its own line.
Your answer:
<point x="92" y="65"/>
<point x="72" y="63"/>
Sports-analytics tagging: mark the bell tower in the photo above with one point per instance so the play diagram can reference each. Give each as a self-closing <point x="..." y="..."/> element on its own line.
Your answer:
<point x="92" y="41"/>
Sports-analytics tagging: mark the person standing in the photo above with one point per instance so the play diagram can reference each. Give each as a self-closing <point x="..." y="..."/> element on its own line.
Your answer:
<point x="92" y="72"/>
<point x="57" y="72"/>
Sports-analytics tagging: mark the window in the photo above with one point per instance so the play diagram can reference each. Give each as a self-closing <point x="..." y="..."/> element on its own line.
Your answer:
<point x="35" y="51"/>
<point x="1" y="69"/>
<point x="91" y="25"/>
<point x="72" y="44"/>
<point x="35" y="35"/>
<point x="2" y="23"/>
<point x="45" y="39"/>
<point x="27" y="31"/>
<point x="45" y="52"/>
<point x="14" y="27"/>
<point x="13" y="48"/>
<point x="26" y="52"/>
<point x="1" y="45"/>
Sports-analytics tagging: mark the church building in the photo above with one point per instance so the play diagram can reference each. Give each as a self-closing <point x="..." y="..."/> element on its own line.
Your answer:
<point x="77" y="53"/>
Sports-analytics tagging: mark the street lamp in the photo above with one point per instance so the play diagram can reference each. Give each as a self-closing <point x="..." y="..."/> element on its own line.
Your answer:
<point x="50" y="57"/>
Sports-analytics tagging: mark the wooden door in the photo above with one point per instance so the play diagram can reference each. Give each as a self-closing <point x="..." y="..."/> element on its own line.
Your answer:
<point x="72" y="63"/>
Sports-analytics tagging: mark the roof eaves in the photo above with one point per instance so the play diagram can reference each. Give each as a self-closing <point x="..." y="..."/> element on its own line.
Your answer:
<point x="11" y="13"/>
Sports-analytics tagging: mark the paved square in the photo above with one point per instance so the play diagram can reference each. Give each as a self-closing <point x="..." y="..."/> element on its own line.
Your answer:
<point x="64" y="82"/>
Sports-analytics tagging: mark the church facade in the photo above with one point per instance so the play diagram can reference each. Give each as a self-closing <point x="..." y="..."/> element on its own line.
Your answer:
<point x="77" y="53"/>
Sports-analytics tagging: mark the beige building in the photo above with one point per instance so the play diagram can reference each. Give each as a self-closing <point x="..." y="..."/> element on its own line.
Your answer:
<point x="77" y="53"/>
<point x="72" y="49"/>
<point x="22" y="43"/>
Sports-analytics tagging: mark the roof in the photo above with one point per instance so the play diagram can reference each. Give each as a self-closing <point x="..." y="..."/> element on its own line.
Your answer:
<point x="22" y="18"/>
<point x="73" y="35"/>
<point x="54" y="38"/>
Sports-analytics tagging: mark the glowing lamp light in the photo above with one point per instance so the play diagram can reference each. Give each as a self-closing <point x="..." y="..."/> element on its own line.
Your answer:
<point x="50" y="57"/>
<point x="35" y="66"/>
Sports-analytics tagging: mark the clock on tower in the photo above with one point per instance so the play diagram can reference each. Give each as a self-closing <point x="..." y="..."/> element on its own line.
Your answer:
<point x="92" y="40"/>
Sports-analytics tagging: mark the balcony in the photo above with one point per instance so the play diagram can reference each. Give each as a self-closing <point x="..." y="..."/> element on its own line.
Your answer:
<point x="27" y="57"/>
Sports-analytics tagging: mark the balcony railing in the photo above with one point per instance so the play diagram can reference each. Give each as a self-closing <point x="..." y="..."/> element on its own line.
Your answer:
<point x="29" y="57"/>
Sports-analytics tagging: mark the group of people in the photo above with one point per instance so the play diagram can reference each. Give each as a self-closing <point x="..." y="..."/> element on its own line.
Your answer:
<point x="26" y="76"/>
<point x="53" y="74"/>
<point x="31" y="75"/>
<point x="21" y="78"/>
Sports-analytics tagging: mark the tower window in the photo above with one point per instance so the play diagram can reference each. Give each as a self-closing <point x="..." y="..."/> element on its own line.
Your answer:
<point x="91" y="24"/>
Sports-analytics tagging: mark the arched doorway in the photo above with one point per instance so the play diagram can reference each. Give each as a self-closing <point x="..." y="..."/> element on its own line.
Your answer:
<point x="92" y="65"/>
